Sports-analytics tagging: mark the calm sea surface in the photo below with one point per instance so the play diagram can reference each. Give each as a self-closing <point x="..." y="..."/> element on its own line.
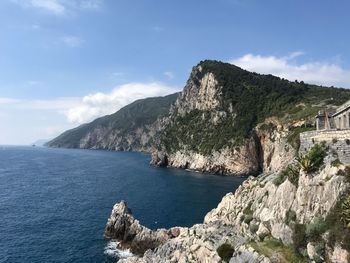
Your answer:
<point x="54" y="203"/>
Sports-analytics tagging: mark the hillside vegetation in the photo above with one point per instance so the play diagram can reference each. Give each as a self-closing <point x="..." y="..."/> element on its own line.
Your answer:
<point x="246" y="99"/>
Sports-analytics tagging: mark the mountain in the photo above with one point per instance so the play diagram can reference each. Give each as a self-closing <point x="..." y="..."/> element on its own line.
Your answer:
<point x="226" y="120"/>
<point x="231" y="121"/>
<point x="133" y="127"/>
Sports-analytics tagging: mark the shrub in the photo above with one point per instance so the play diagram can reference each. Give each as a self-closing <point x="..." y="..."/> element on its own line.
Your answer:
<point x="279" y="179"/>
<point x="253" y="228"/>
<point x="336" y="162"/>
<point x="248" y="218"/>
<point x="334" y="140"/>
<point x="291" y="216"/>
<point x="347" y="141"/>
<point x="291" y="172"/>
<point x="225" y="251"/>
<point x="316" y="229"/>
<point x="273" y="248"/>
<point x="299" y="236"/>
<point x="345" y="173"/>
<point x="339" y="232"/>
<point x="320" y="251"/>
<point x="345" y="211"/>
<point x="313" y="160"/>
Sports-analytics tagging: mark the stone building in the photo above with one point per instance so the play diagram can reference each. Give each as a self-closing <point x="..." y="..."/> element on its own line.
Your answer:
<point x="333" y="129"/>
<point x="339" y="120"/>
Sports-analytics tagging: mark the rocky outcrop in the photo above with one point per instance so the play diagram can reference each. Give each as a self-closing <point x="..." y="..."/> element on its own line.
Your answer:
<point x="259" y="223"/>
<point x="275" y="151"/>
<point x="122" y="226"/>
<point x="267" y="151"/>
<point x="242" y="160"/>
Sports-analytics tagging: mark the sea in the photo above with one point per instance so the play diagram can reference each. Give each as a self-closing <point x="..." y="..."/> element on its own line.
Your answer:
<point x="54" y="203"/>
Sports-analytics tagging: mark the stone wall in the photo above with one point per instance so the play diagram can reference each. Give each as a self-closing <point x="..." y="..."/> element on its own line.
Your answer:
<point x="337" y="140"/>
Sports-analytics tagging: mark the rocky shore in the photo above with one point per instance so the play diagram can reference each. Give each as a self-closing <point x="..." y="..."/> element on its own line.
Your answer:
<point x="267" y="219"/>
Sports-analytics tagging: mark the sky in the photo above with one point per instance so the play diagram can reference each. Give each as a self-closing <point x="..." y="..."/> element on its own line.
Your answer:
<point x="66" y="62"/>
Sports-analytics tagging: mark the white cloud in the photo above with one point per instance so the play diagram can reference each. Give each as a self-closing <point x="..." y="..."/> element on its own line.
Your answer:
<point x="169" y="74"/>
<point x="72" y="41"/>
<point x="42" y="119"/>
<point x="60" y="7"/>
<point x="316" y="72"/>
<point x="51" y="6"/>
<point x="7" y="100"/>
<point x="100" y="104"/>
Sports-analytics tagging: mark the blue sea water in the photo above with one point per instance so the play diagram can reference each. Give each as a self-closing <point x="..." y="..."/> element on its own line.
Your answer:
<point x="54" y="203"/>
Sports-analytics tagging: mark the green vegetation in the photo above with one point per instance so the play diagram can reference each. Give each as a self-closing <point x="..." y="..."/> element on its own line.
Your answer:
<point x="247" y="216"/>
<point x="253" y="228"/>
<point x="271" y="247"/>
<point x="299" y="237"/>
<point x="345" y="173"/>
<point x="291" y="217"/>
<point x="291" y="172"/>
<point x="313" y="160"/>
<point x="345" y="211"/>
<point x="135" y="115"/>
<point x="314" y="230"/>
<point x="225" y="251"/>
<point x="293" y="136"/>
<point x="248" y="99"/>
<point x="337" y="223"/>
<point x="310" y="162"/>
<point x="336" y="163"/>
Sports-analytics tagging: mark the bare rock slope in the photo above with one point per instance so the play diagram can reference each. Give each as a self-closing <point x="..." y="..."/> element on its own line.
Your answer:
<point x="267" y="219"/>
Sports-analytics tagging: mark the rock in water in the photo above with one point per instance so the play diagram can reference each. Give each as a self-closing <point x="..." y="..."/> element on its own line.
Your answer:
<point x="123" y="227"/>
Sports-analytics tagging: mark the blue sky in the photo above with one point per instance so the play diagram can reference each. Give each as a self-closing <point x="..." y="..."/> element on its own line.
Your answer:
<point x="65" y="62"/>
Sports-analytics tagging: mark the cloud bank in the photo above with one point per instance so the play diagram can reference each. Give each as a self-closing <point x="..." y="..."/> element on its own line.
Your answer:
<point x="60" y="7"/>
<point x="316" y="72"/>
<point x="48" y="118"/>
<point x="100" y="104"/>
<point x="84" y="109"/>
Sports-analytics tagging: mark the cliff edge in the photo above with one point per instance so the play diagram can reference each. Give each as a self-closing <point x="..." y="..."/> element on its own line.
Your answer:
<point x="301" y="214"/>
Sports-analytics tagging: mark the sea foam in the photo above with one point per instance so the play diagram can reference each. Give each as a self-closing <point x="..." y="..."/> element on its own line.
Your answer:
<point x="112" y="249"/>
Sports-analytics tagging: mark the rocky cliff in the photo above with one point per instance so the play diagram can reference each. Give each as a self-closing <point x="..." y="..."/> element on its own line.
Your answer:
<point x="290" y="216"/>
<point x="231" y="121"/>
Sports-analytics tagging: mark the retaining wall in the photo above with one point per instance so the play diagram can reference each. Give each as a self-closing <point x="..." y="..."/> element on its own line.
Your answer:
<point x="337" y="140"/>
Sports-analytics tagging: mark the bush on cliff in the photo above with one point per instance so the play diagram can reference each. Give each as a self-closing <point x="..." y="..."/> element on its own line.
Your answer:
<point x="345" y="172"/>
<point x="291" y="172"/>
<point x="313" y="160"/>
<point x="338" y="224"/>
<point x="316" y="229"/>
<point x="225" y="251"/>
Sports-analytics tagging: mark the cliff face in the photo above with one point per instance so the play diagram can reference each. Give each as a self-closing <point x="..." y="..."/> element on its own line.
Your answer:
<point x="132" y="128"/>
<point x="217" y="122"/>
<point x="270" y="220"/>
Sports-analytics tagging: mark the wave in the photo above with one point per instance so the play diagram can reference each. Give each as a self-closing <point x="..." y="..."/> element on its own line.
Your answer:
<point x="113" y="249"/>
